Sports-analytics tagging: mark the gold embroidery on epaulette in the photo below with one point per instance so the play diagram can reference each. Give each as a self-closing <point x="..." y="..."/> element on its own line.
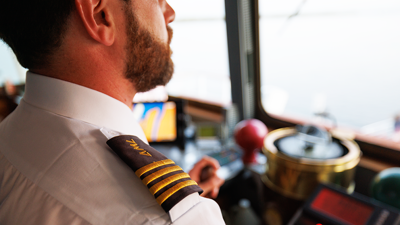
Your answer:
<point x="136" y="147"/>
<point x="164" y="196"/>
<point x="160" y="173"/>
<point x="160" y="185"/>
<point x="153" y="165"/>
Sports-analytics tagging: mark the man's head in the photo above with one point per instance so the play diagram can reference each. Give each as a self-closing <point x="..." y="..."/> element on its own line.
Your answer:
<point x="34" y="28"/>
<point x="40" y="30"/>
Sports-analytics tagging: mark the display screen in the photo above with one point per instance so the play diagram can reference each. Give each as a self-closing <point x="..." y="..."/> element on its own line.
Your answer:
<point x="157" y="119"/>
<point x="342" y="208"/>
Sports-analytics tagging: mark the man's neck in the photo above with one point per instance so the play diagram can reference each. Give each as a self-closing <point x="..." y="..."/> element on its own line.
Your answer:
<point x="84" y="61"/>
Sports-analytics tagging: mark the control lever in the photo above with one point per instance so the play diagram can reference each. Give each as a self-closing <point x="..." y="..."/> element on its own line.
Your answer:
<point x="250" y="135"/>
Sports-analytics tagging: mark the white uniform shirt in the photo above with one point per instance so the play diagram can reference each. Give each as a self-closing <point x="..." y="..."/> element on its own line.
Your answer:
<point x="56" y="168"/>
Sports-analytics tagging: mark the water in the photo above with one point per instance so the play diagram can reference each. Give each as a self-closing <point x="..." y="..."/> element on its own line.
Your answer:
<point x="351" y="57"/>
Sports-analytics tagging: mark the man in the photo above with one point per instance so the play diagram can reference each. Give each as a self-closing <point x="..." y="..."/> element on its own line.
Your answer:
<point x="86" y="59"/>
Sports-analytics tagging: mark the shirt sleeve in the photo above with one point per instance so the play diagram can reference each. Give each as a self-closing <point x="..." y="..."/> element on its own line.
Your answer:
<point x="205" y="212"/>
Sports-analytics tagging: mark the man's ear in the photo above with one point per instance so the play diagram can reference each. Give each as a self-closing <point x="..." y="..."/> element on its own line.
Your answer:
<point x="97" y="19"/>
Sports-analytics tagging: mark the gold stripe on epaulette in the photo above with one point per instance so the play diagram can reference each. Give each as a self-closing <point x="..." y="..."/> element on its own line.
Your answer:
<point x="164" y="196"/>
<point x="154" y="189"/>
<point x="153" y="165"/>
<point x="160" y="173"/>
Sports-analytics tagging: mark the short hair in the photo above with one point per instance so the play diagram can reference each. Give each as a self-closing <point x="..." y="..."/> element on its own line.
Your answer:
<point x="34" y="29"/>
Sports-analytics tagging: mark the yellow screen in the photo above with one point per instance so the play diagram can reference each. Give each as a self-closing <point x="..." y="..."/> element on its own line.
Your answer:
<point x="157" y="119"/>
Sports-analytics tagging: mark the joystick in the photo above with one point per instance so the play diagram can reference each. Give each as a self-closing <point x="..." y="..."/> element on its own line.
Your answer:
<point x="249" y="135"/>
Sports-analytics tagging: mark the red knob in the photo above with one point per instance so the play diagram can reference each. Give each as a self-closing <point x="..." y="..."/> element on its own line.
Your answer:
<point x="250" y="134"/>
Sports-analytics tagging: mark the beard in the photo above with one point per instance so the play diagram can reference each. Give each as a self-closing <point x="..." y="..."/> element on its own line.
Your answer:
<point x="149" y="62"/>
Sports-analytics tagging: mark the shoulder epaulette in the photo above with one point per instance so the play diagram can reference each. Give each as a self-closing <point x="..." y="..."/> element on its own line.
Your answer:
<point x="166" y="181"/>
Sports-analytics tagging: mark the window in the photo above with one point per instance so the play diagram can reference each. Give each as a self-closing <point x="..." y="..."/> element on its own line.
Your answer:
<point x="10" y="69"/>
<point x="200" y="51"/>
<point x="339" y="56"/>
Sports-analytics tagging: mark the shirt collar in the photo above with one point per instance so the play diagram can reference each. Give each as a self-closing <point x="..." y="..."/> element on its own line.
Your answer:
<point x="81" y="103"/>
